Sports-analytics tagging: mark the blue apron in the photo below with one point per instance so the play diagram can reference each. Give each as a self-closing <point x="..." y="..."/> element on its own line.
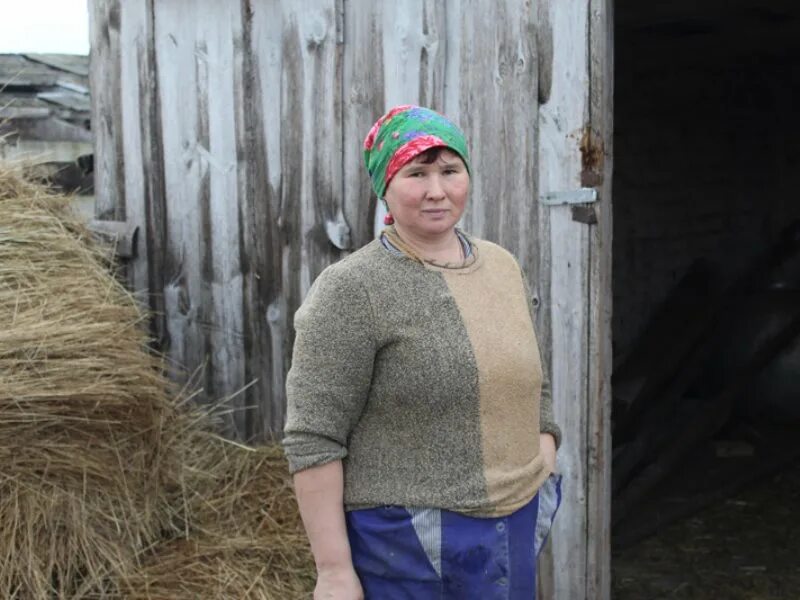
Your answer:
<point x="405" y="553"/>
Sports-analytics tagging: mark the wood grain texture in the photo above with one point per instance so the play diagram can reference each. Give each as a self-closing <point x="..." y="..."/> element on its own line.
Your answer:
<point x="494" y="97"/>
<point x="257" y="72"/>
<point x="104" y="80"/>
<point x="143" y="164"/>
<point x="561" y="123"/>
<point x="598" y="167"/>
<point x="310" y="148"/>
<point x="203" y="281"/>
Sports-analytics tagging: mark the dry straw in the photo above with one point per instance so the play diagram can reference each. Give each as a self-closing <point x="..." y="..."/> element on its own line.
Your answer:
<point x="110" y="485"/>
<point x="243" y="537"/>
<point x="82" y="407"/>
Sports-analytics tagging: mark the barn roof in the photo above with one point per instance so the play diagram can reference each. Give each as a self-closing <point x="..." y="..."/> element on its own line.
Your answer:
<point x="45" y="96"/>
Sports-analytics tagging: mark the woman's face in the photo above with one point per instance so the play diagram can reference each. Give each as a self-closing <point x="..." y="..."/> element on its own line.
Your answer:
<point x="427" y="200"/>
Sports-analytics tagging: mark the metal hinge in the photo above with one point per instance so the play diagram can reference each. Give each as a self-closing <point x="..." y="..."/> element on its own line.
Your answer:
<point x="579" y="196"/>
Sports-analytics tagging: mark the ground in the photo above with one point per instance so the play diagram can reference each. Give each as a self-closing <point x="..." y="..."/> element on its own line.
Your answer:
<point x="744" y="548"/>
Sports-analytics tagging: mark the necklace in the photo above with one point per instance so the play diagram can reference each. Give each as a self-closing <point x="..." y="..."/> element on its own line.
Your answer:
<point x="413" y="252"/>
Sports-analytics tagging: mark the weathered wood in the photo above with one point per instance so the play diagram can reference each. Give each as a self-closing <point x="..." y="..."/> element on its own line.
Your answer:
<point x="492" y="48"/>
<point x="105" y="82"/>
<point x="597" y="162"/>
<point x="561" y="123"/>
<point x="144" y="163"/>
<point x="258" y="129"/>
<point x="203" y="295"/>
<point x="66" y="99"/>
<point x="120" y="235"/>
<point x="75" y="64"/>
<point x="51" y="129"/>
<point x="24" y="112"/>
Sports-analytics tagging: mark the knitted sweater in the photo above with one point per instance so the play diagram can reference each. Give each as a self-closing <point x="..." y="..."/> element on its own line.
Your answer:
<point x="427" y="381"/>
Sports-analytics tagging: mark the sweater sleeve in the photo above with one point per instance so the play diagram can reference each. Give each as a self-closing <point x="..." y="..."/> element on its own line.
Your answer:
<point x="547" y="422"/>
<point x="331" y="369"/>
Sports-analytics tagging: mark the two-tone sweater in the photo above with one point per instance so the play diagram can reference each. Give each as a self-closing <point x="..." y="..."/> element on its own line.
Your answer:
<point x="426" y="381"/>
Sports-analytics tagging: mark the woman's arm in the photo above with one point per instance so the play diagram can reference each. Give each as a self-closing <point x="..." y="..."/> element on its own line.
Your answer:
<point x="320" y="498"/>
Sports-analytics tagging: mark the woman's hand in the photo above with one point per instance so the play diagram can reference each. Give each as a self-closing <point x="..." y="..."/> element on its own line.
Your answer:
<point x="338" y="583"/>
<point x="547" y="448"/>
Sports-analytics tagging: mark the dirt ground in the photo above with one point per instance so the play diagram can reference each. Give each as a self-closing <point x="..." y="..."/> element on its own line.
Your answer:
<point x="745" y="548"/>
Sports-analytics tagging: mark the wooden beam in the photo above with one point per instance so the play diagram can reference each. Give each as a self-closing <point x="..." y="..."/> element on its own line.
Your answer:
<point x="562" y="122"/>
<point x="104" y="77"/>
<point x="710" y="416"/>
<point x="120" y="235"/>
<point x="597" y="163"/>
<point x="491" y="47"/>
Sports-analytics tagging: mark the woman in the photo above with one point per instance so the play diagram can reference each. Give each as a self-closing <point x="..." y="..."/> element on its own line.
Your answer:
<point x="420" y="429"/>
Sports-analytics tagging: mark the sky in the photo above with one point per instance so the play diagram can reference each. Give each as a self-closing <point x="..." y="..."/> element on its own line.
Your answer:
<point x="60" y="26"/>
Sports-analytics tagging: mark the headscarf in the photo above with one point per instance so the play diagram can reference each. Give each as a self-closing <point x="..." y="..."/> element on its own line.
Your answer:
<point x="403" y="133"/>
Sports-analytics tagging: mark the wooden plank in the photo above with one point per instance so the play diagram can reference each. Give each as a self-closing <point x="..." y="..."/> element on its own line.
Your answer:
<point x="184" y="175"/>
<point x="104" y="78"/>
<point x="120" y="235"/>
<point x="258" y="75"/>
<point x="24" y="112"/>
<point x="76" y="64"/>
<point x="303" y="142"/>
<point x="144" y="164"/>
<point x="18" y="71"/>
<point x="203" y="296"/>
<point x="561" y="123"/>
<point x="311" y="112"/>
<point x="363" y="102"/>
<point x="73" y="101"/>
<point x="597" y="170"/>
<point x="492" y="92"/>
<point x="264" y="237"/>
<point x="48" y="130"/>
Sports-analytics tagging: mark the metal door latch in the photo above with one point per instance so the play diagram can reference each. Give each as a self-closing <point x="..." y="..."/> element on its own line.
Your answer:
<point x="579" y="196"/>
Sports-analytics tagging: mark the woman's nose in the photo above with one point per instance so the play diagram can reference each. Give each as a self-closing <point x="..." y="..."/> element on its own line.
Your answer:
<point x="435" y="188"/>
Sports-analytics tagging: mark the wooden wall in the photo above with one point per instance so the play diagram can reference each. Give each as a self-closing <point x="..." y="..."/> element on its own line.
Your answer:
<point x="231" y="132"/>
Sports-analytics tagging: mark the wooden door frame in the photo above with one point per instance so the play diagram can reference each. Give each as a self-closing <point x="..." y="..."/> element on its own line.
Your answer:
<point x="575" y="146"/>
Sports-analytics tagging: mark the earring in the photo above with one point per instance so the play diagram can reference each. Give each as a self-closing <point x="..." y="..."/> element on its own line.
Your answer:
<point x="388" y="219"/>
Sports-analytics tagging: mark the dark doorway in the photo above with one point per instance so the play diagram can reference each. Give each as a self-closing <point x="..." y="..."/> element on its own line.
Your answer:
<point x="706" y="284"/>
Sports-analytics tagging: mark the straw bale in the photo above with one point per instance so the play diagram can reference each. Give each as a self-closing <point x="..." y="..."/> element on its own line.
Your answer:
<point x="112" y="483"/>
<point x="85" y="457"/>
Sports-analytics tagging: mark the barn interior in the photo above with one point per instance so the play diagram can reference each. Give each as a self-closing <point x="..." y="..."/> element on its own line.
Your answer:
<point x="706" y="290"/>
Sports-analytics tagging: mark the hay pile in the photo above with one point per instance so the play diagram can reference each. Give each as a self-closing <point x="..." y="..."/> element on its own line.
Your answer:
<point x="244" y="538"/>
<point x="110" y="485"/>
